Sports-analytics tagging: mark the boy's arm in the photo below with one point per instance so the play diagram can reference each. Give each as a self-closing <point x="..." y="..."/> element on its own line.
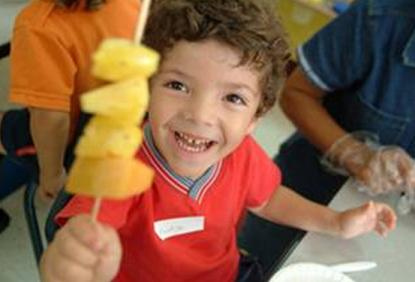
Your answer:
<point x="50" y="130"/>
<point x="288" y="208"/>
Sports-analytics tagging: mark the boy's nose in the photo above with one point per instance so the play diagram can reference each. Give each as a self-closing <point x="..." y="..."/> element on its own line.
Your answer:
<point x="201" y="111"/>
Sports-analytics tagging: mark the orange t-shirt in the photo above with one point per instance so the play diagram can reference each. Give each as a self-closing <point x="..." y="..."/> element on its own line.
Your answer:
<point x="51" y="51"/>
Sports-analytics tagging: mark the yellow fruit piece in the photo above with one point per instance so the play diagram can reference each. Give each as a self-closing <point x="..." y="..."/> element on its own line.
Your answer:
<point x="126" y="101"/>
<point x="104" y="138"/>
<point x="119" y="59"/>
<point x="115" y="178"/>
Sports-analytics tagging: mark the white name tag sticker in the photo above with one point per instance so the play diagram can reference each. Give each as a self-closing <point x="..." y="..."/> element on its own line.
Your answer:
<point x="167" y="228"/>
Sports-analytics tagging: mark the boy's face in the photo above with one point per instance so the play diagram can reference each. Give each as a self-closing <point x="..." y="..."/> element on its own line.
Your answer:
<point x="202" y="105"/>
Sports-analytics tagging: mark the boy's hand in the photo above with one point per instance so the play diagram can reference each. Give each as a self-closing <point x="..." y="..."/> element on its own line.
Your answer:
<point x="82" y="251"/>
<point x="371" y="216"/>
<point x="49" y="186"/>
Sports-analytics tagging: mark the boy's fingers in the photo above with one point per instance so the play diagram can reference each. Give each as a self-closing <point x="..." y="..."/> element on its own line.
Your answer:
<point x="369" y="210"/>
<point x="66" y="270"/>
<point x="56" y="267"/>
<point x="389" y="218"/>
<point x="72" y="249"/>
<point x="386" y="219"/>
<point x="387" y="215"/>
<point x="86" y="231"/>
<point x="110" y="236"/>
<point x="381" y="229"/>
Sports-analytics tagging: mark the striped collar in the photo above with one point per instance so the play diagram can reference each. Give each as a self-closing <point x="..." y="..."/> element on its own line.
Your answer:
<point x="195" y="189"/>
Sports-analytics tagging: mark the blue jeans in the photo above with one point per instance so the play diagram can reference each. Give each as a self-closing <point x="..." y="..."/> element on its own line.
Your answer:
<point x="13" y="174"/>
<point x="250" y="270"/>
<point x="16" y="170"/>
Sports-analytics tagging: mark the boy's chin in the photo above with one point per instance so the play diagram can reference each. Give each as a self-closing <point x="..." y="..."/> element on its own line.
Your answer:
<point x="187" y="172"/>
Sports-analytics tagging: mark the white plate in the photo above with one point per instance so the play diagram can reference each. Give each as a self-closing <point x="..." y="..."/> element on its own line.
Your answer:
<point x="309" y="272"/>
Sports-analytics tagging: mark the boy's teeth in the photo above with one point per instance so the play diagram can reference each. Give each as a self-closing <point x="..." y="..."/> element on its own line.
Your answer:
<point x="192" y="144"/>
<point x="193" y="140"/>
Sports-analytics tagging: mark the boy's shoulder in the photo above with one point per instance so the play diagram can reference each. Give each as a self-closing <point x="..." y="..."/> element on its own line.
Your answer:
<point x="247" y="151"/>
<point x="248" y="144"/>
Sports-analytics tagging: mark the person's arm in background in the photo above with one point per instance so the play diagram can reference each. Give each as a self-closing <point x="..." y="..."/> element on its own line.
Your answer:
<point x="50" y="131"/>
<point x="301" y="102"/>
<point x="288" y="208"/>
<point x="42" y="79"/>
<point x="380" y="170"/>
<point x="325" y="66"/>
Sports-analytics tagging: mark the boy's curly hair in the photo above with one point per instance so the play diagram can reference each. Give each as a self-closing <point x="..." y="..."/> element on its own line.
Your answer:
<point x="88" y="4"/>
<point x="250" y="26"/>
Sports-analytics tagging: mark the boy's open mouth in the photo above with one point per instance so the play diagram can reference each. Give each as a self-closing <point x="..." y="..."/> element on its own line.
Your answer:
<point x="192" y="143"/>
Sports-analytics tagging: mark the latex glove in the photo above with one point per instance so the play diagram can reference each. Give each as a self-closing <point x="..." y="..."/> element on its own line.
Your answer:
<point x="376" y="169"/>
<point x="49" y="186"/>
<point x="82" y="251"/>
<point x="371" y="216"/>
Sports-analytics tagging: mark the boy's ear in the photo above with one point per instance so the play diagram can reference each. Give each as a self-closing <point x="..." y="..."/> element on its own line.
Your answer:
<point x="252" y="125"/>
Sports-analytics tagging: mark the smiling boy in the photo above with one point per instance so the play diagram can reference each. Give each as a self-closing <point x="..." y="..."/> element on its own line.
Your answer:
<point x="221" y="69"/>
<point x="199" y="115"/>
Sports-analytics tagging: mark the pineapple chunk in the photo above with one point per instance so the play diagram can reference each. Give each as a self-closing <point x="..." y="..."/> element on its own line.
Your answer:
<point x="115" y="178"/>
<point x="120" y="59"/>
<point x="125" y="100"/>
<point x="105" y="138"/>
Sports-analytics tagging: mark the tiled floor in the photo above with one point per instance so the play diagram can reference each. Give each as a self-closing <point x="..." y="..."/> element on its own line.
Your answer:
<point x="17" y="263"/>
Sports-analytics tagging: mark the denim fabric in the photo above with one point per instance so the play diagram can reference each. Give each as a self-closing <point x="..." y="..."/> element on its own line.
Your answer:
<point x="18" y="170"/>
<point x="13" y="174"/>
<point x="249" y="270"/>
<point x="365" y="60"/>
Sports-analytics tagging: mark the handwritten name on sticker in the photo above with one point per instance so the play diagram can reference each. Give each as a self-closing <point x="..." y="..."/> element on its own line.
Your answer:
<point x="167" y="228"/>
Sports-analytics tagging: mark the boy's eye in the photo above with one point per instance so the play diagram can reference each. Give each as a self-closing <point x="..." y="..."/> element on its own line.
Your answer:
<point x="176" y="85"/>
<point x="235" y="99"/>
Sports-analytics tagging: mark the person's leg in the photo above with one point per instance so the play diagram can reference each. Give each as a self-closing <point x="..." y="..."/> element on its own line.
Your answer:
<point x="4" y="220"/>
<point x="2" y="150"/>
<point x="302" y="172"/>
<point x="13" y="174"/>
<point x="250" y="270"/>
<point x="19" y="164"/>
<point x="15" y="136"/>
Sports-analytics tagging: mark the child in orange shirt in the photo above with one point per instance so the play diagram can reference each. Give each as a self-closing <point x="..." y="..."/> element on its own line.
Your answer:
<point x="51" y="52"/>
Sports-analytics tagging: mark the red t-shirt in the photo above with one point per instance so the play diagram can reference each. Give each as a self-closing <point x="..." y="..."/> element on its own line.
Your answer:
<point x="245" y="178"/>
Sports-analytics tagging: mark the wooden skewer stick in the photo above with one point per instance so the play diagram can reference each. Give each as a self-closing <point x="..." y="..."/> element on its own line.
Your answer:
<point x="95" y="209"/>
<point x="139" y="32"/>
<point x="141" y="23"/>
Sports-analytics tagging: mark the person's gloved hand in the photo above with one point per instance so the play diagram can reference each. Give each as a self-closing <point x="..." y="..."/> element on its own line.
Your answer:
<point x="376" y="169"/>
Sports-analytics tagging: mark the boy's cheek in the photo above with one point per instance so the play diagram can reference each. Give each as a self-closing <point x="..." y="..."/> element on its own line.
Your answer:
<point x="252" y="125"/>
